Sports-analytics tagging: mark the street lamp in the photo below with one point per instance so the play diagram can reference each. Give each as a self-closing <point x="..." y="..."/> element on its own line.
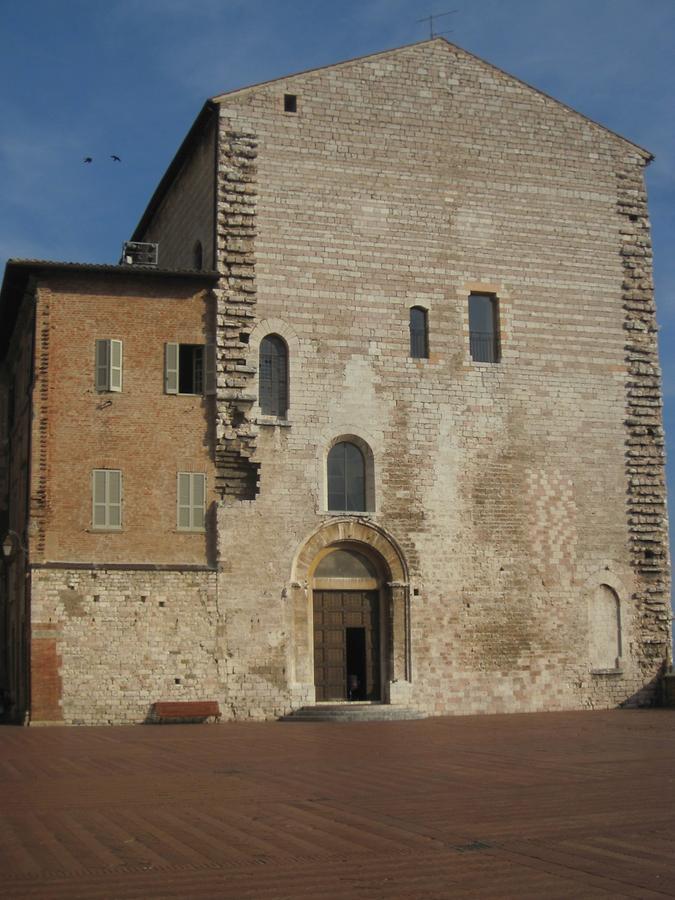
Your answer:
<point x="12" y="539"/>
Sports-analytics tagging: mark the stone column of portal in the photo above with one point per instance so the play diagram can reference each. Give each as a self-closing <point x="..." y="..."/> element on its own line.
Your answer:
<point x="399" y="687"/>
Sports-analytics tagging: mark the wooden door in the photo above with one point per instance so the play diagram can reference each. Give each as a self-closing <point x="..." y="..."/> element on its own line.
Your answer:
<point x="334" y="613"/>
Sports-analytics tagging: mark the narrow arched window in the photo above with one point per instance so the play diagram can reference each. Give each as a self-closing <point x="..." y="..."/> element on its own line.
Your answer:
<point x="419" y="333"/>
<point x="605" y="628"/>
<point x="273" y="376"/>
<point x="346" y="478"/>
<point x="197" y="256"/>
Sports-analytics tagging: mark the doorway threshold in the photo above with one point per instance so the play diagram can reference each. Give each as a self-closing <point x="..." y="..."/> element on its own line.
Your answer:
<point x="353" y="711"/>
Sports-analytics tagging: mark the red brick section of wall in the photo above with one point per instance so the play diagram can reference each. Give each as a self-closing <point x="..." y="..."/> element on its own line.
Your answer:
<point x="46" y="683"/>
<point x="145" y="433"/>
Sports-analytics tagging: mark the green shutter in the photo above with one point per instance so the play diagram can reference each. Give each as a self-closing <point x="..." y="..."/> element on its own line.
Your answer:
<point x="191" y="500"/>
<point x="114" y="498"/>
<point x="210" y="380"/>
<point x="107" y="498"/>
<point x="171" y="368"/>
<point x="102" y="371"/>
<point x="198" y="500"/>
<point x="184" y="500"/>
<point x="99" y="497"/>
<point x="198" y="370"/>
<point x="116" y="366"/>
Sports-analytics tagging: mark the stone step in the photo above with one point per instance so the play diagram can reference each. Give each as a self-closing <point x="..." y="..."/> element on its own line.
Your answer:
<point x="353" y="712"/>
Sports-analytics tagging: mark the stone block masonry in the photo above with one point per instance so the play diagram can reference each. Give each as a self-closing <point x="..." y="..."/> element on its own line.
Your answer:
<point x="645" y="443"/>
<point x="237" y="473"/>
<point x="415" y="178"/>
<point x="126" y="639"/>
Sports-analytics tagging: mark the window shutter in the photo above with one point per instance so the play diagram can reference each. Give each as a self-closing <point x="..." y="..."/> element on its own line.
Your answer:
<point x="191" y="499"/>
<point x="210" y="380"/>
<point x="98" y="496"/>
<point x="197" y="369"/>
<point x="115" y="351"/>
<point x="114" y="498"/>
<point x="183" y="500"/>
<point x="171" y="368"/>
<point x="107" y="498"/>
<point x="102" y="370"/>
<point x="198" y="500"/>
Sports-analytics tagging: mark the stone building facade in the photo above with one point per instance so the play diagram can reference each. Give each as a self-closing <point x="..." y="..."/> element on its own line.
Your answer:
<point x="429" y="423"/>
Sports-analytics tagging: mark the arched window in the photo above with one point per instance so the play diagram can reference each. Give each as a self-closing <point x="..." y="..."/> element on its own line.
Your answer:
<point x="346" y="478"/>
<point x="419" y="333"/>
<point x="197" y="256"/>
<point x="345" y="563"/>
<point x="273" y="376"/>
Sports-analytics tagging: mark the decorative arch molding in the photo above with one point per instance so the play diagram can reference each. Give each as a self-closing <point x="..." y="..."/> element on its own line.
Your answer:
<point x="368" y="445"/>
<point x="607" y="596"/>
<point x="353" y="531"/>
<point x="341" y="429"/>
<point x="273" y="326"/>
<point x="608" y="575"/>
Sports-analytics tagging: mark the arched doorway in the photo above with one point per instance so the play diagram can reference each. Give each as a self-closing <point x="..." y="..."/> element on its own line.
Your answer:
<point x="349" y="574"/>
<point x="348" y="625"/>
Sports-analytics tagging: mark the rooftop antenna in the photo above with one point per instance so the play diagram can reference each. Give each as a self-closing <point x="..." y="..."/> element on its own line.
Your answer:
<point x="430" y="19"/>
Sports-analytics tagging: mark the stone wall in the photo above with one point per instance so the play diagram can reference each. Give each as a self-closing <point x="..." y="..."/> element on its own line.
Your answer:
<point x="237" y="474"/>
<point x="415" y="178"/>
<point x="108" y="643"/>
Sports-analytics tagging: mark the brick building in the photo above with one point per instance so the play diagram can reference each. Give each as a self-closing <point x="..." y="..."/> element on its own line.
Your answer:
<point x="384" y="423"/>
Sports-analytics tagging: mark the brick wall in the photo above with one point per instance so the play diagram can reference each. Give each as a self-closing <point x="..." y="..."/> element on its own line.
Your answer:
<point x="149" y="435"/>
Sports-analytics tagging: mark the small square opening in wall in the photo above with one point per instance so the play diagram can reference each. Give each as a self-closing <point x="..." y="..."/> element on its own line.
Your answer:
<point x="290" y="103"/>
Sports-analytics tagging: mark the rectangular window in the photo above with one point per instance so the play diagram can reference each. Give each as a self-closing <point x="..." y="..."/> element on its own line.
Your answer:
<point x="107" y="499"/>
<point x="419" y="333"/>
<point x="189" y="369"/>
<point x="484" y="328"/>
<point x="109" y="365"/>
<point x="191" y="501"/>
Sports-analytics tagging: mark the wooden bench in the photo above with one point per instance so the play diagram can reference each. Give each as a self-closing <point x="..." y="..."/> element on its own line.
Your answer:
<point x="190" y="710"/>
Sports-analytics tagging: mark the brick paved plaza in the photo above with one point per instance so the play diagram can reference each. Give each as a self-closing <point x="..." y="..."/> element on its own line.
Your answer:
<point x="575" y="805"/>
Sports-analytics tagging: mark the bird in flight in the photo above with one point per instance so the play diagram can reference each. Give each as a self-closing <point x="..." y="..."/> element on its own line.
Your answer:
<point x="115" y="158"/>
<point x="87" y="159"/>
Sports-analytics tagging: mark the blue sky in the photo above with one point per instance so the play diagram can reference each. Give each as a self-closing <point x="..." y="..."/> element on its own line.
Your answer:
<point x="88" y="77"/>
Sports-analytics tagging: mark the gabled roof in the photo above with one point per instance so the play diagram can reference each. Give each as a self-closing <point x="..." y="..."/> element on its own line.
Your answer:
<point x="218" y="98"/>
<point x="211" y="106"/>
